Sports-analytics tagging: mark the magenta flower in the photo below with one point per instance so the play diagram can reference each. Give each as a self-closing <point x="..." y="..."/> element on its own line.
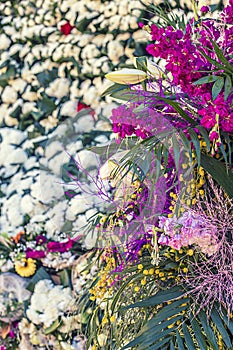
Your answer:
<point x="205" y="9"/>
<point x="214" y="135"/>
<point x="12" y="334"/>
<point x="40" y="239"/>
<point x="60" y="247"/>
<point x="35" y="254"/>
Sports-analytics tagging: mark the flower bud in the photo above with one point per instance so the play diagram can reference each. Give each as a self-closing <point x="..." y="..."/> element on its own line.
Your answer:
<point x="127" y="76"/>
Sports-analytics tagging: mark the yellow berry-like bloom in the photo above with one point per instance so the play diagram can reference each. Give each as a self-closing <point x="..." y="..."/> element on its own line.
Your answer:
<point x="25" y="267"/>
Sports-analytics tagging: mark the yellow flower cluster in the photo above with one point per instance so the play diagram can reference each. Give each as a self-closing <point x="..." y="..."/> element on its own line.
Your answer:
<point x="194" y="188"/>
<point x="104" y="282"/>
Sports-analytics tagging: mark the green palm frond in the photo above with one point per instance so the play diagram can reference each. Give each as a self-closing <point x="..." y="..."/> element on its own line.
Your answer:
<point x="175" y="325"/>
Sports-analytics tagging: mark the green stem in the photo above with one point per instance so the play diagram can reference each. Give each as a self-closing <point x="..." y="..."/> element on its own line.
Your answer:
<point x="194" y="6"/>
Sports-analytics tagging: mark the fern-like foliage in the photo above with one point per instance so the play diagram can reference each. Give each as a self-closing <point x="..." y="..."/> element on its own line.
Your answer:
<point x="176" y="326"/>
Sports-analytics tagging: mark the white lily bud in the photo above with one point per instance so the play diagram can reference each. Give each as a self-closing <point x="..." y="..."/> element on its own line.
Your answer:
<point x="127" y="76"/>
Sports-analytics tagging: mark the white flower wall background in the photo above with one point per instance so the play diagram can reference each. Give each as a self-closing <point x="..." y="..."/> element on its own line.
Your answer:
<point x="53" y="57"/>
<point x="55" y="54"/>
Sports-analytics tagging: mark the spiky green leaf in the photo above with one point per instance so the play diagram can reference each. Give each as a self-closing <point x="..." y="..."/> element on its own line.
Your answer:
<point x="207" y="79"/>
<point x="198" y="334"/>
<point x="217" y="87"/>
<point x="188" y="339"/>
<point x="208" y="330"/>
<point x="221" y="327"/>
<point x="219" y="172"/>
<point x="227" y="87"/>
<point x="161" y="297"/>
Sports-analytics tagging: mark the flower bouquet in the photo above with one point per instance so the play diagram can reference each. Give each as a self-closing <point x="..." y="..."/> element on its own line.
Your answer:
<point x="165" y="277"/>
<point x="160" y="276"/>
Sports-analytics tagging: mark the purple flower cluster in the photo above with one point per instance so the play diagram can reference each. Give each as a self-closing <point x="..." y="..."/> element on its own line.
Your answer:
<point x="221" y="109"/>
<point x="47" y="247"/>
<point x="127" y="121"/>
<point x="189" y="229"/>
<point x="227" y="15"/>
<point x="184" y="55"/>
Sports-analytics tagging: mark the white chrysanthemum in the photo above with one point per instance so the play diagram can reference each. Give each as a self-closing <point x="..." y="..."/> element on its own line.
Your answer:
<point x="78" y="205"/>
<point x="48" y="302"/>
<point x="69" y="109"/>
<point x="26" y="205"/>
<point x="46" y="188"/>
<point x="53" y="148"/>
<point x="58" y="88"/>
<point x="9" y="95"/>
<point x="4" y="42"/>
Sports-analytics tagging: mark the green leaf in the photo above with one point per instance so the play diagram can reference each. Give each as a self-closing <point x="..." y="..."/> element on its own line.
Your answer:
<point x="172" y="346"/>
<point x="205" y="136"/>
<point x="37" y="115"/>
<point x="144" y="163"/>
<point x="46" y="105"/>
<point x="217" y="87"/>
<point x="84" y="23"/>
<point x="153" y="336"/>
<point x="221" y="56"/>
<point x="40" y="274"/>
<point x="178" y="109"/>
<point x="161" y="297"/>
<point x="221" y="147"/>
<point x="218" y="171"/>
<point x="47" y="76"/>
<point x="114" y="88"/>
<point x="227" y="87"/>
<point x="227" y="321"/>
<point x="188" y="340"/>
<point x="65" y="278"/>
<point x="179" y="341"/>
<point x="208" y="330"/>
<point x="141" y="63"/>
<point x="154" y="329"/>
<point x="159" y="345"/>
<point x="215" y="63"/>
<point x="186" y="143"/>
<point x="176" y="150"/>
<point x="112" y="147"/>
<point x="127" y="95"/>
<point x="16" y="112"/>
<point x="229" y="151"/>
<point x="198" y="334"/>
<point x="10" y="73"/>
<point x="221" y="327"/>
<point x="207" y="79"/>
<point x="53" y="327"/>
<point x="196" y="143"/>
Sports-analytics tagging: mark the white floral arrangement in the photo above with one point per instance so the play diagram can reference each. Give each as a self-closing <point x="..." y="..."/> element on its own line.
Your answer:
<point x="54" y="55"/>
<point x="52" y="309"/>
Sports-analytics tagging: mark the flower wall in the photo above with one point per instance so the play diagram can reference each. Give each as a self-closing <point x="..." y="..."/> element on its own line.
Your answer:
<point x="80" y="171"/>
